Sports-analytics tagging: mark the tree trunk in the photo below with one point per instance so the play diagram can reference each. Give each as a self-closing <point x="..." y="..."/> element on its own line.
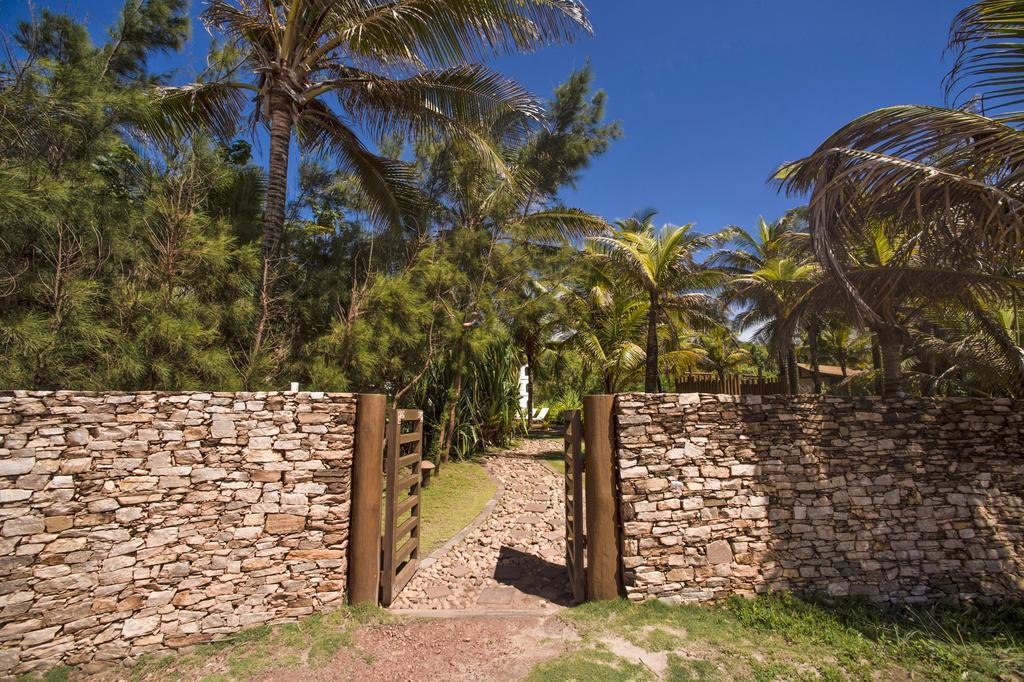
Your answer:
<point x="812" y="341"/>
<point x="651" y="369"/>
<point x="793" y="370"/>
<point x="876" y="362"/>
<point x="890" y="344"/>
<point x="449" y="428"/>
<point x="273" y="212"/>
<point x="783" y="370"/>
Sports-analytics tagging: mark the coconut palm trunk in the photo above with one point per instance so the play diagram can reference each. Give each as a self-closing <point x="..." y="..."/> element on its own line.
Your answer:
<point x="792" y="369"/>
<point x="273" y="213"/>
<point x="651" y="368"/>
<point x="876" y="363"/>
<point x="812" y="341"/>
<point x="890" y="345"/>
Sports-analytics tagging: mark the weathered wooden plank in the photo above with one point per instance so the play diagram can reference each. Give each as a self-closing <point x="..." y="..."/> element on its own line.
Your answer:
<point x="406" y="550"/>
<point x="406" y="460"/>
<point x="407" y="504"/>
<point x="365" y="542"/>
<point x="409" y="481"/>
<point x="407" y="438"/>
<point x="407" y="526"/>
<point x="405" y="575"/>
<point x="604" y="577"/>
<point x="401" y="560"/>
<point x="574" y="557"/>
<point x="390" y="512"/>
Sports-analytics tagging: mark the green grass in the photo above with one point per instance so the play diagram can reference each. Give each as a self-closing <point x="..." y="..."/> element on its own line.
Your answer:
<point x="310" y="643"/>
<point x="59" y="674"/>
<point x="780" y="637"/>
<point x="555" y="461"/>
<point x="452" y="501"/>
<point x="449" y="503"/>
<point x="588" y="665"/>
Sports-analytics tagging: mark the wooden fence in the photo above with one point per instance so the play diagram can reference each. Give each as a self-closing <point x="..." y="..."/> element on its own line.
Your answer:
<point x="732" y="384"/>
<point x="575" y="549"/>
<point x="401" y="545"/>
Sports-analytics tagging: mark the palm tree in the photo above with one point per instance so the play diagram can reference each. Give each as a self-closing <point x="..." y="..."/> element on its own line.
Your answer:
<point x="401" y="66"/>
<point x="721" y="352"/>
<point x="662" y="263"/>
<point x="894" y="280"/>
<point x="772" y="295"/>
<point x="608" y="336"/>
<point x="605" y="325"/>
<point x="946" y="182"/>
<point x="842" y="344"/>
<point x="752" y="250"/>
<point x="967" y="358"/>
<point x="780" y="241"/>
<point x="504" y="208"/>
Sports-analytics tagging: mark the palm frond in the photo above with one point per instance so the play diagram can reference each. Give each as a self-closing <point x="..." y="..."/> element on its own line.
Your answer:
<point x="555" y="226"/>
<point x="188" y="109"/>
<point x="448" y="102"/>
<point x="449" y="32"/>
<point x="953" y="175"/>
<point x="987" y="38"/>
<point x="390" y="185"/>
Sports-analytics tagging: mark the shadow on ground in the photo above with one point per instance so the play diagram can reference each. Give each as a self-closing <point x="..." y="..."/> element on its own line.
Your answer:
<point x="532" y="575"/>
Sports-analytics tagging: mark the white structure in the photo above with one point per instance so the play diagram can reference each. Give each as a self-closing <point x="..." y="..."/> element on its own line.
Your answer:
<point x="524" y="394"/>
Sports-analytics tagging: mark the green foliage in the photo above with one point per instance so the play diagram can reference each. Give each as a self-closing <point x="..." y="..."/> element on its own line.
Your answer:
<point x="452" y="501"/>
<point x="127" y="275"/>
<point x="130" y="263"/>
<point x="487" y="409"/>
<point x="779" y="636"/>
<point x="309" y="644"/>
<point x="590" y="666"/>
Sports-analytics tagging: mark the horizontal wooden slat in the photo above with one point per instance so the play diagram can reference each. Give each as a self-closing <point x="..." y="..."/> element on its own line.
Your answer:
<point x="406" y="550"/>
<point x="408" y="438"/>
<point x="408" y="526"/>
<point x="408" y="481"/>
<point x="408" y="459"/>
<point x="409" y="415"/>
<point x="405" y="575"/>
<point x="406" y="504"/>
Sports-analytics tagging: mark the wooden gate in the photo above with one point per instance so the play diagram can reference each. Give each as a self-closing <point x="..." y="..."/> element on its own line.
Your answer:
<point x="575" y="549"/>
<point x="403" y="459"/>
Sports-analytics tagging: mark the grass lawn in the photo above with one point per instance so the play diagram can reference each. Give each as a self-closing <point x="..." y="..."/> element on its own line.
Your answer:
<point x="783" y="638"/>
<point x="555" y="461"/>
<point x="452" y="501"/>
<point x="310" y="643"/>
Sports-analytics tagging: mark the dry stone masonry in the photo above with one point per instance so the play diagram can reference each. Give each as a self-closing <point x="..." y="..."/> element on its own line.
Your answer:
<point x="895" y="500"/>
<point x="135" y="522"/>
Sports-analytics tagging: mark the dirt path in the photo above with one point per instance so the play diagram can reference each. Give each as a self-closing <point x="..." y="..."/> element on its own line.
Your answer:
<point x="515" y="558"/>
<point x="463" y="648"/>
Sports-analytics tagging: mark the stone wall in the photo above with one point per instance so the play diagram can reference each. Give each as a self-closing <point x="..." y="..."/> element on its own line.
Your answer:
<point x="896" y="500"/>
<point x="134" y="522"/>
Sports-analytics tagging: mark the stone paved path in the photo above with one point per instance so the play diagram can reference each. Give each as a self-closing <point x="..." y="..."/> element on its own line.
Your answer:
<point x="515" y="558"/>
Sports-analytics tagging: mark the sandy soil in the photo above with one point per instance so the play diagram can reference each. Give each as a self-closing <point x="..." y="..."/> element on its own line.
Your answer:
<point x="463" y="648"/>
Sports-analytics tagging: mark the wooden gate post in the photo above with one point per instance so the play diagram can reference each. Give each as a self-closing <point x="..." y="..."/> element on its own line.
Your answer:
<point x="367" y="486"/>
<point x="604" y="578"/>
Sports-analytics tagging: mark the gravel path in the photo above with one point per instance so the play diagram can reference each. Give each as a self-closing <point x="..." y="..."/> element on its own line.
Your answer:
<point x="515" y="558"/>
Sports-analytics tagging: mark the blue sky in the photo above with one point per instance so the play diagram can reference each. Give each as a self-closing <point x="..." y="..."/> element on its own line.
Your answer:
<point x="712" y="96"/>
